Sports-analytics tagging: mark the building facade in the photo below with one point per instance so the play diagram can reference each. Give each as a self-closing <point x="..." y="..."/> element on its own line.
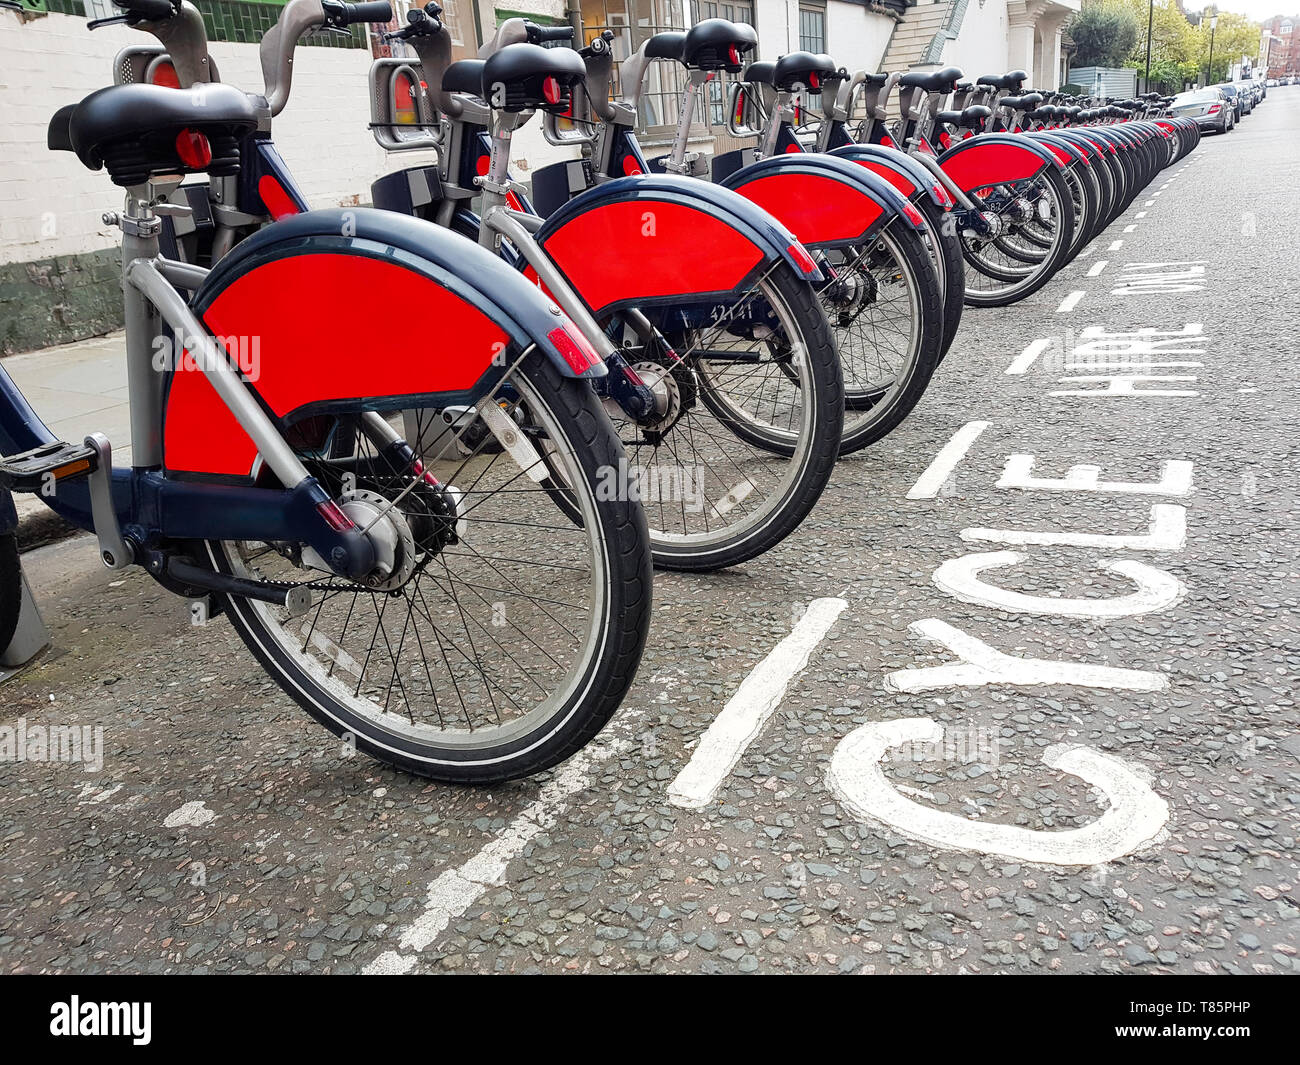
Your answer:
<point x="1279" y="46"/>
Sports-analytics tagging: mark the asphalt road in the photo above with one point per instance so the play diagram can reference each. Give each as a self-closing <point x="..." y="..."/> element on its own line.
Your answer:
<point x="1072" y="819"/>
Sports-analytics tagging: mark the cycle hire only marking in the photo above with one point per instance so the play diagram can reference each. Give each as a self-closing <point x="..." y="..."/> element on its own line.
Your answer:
<point x="1136" y="815"/>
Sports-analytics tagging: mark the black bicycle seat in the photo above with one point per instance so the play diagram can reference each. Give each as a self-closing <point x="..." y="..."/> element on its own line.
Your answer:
<point x="802" y="70"/>
<point x="667" y="45"/>
<point x="971" y="118"/>
<point x="465" y="75"/>
<point x="1011" y="80"/>
<point x="527" y="77"/>
<point x="933" y="81"/>
<point x="136" y="130"/>
<point x="717" y="44"/>
<point x="759" y="73"/>
<point x="1021" y="103"/>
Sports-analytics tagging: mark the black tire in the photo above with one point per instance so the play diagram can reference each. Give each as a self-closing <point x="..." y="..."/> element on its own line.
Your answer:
<point x="595" y="686"/>
<point x="953" y="275"/>
<point x="811" y="447"/>
<point x="11" y="589"/>
<point x="824" y="386"/>
<point x="875" y="411"/>
<point x="1039" y="274"/>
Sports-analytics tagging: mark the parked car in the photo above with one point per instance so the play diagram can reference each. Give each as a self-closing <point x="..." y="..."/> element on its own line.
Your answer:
<point x="1234" y="98"/>
<point x="1209" y="107"/>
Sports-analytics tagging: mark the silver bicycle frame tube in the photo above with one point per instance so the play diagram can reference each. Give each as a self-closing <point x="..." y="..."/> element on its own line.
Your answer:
<point x="499" y="221"/>
<point x="149" y="295"/>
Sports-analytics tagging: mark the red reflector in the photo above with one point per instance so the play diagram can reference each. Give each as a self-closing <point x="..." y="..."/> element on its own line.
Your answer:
<point x="194" y="149"/>
<point x="165" y="74"/>
<point x="577" y="352"/>
<point x="794" y="149"/>
<point x="551" y="90"/>
<point x="733" y="56"/>
<point x="800" y="255"/>
<point x="630" y="166"/>
<point x="941" y="195"/>
<point x="814" y="82"/>
<point x="887" y="142"/>
<point x="481" y="165"/>
<point x="913" y="215"/>
<point x="334" y="516"/>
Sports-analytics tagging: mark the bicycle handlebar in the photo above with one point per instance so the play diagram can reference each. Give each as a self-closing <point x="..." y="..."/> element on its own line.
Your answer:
<point x="542" y="34"/>
<point x="339" y="14"/>
<point x="149" y="10"/>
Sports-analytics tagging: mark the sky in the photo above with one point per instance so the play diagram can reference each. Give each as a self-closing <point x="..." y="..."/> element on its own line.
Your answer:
<point x="1257" y="10"/>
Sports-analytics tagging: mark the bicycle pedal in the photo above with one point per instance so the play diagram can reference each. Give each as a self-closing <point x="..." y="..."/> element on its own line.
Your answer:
<point x="38" y="469"/>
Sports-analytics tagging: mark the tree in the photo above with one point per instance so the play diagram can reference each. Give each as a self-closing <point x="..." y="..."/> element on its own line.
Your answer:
<point x="1234" y="36"/>
<point x="1104" y="34"/>
<point x="1174" y="43"/>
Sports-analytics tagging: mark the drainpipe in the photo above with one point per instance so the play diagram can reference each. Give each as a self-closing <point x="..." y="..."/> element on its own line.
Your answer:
<point x="575" y="20"/>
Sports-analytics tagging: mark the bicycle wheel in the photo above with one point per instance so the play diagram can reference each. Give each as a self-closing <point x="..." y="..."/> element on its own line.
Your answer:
<point x="944" y="246"/>
<point x="750" y="409"/>
<point x="884" y="304"/>
<point x="11" y="589"/>
<point x="753" y="404"/>
<point x="504" y="635"/>
<point x="995" y="278"/>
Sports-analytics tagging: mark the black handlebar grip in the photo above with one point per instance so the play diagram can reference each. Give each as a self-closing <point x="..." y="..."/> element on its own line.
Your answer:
<point x="541" y="34"/>
<point x="369" y="11"/>
<point x="149" y="10"/>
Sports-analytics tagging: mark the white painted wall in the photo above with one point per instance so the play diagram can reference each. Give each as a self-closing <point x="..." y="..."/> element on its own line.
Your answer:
<point x="981" y="44"/>
<point x="51" y="205"/>
<point x="855" y="37"/>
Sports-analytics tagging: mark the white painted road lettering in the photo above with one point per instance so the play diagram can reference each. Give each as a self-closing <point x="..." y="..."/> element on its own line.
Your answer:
<point x="1133" y="819"/>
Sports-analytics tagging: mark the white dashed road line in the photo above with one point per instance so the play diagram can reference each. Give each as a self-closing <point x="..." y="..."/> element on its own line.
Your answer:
<point x="1097" y="267"/>
<point x="1026" y="358"/>
<point x="928" y="484"/>
<point x="1070" y="302"/>
<point x="456" y="890"/>
<point x="742" y="719"/>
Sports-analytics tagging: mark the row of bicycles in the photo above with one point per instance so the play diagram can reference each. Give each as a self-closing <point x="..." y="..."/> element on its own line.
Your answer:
<point x="425" y="456"/>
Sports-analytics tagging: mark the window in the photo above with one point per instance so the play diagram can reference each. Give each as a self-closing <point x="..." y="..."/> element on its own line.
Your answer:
<point x="457" y="16"/>
<point x="634" y="22"/>
<point x="1286" y="28"/>
<point x="812" y="28"/>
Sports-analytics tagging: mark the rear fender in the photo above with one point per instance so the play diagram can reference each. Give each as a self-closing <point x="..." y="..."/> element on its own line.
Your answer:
<point x="1065" y="151"/>
<point x="826" y="201"/>
<point x="995" y="159"/>
<point x="652" y="239"/>
<point x="354" y="309"/>
<point x="898" y="168"/>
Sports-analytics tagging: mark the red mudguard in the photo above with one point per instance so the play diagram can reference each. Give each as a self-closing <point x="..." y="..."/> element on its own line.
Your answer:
<point x="641" y="240"/>
<point x="899" y="169"/>
<point x="995" y="159"/>
<point x="826" y="201"/>
<point x="391" y="315"/>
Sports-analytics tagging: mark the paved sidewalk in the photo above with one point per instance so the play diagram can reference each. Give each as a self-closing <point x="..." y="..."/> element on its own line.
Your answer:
<point x="76" y="389"/>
